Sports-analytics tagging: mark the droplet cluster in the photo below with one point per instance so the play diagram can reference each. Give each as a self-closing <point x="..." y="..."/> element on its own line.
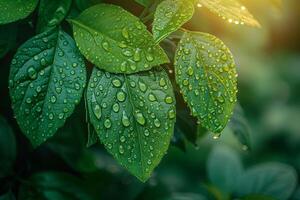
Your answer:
<point x="46" y="81"/>
<point x="134" y="116"/>
<point x="206" y="74"/>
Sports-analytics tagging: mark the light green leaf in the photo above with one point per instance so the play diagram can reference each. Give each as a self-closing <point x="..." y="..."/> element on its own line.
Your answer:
<point x="272" y="179"/>
<point x="54" y="186"/>
<point x="230" y="10"/>
<point x="115" y="40"/>
<point x="51" y="13"/>
<point x="169" y="16"/>
<point x="11" y="11"/>
<point x="46" y="81"/>
<point x="224" y="168"/>
<point x="134" y="117"/>
<point x="206" y="74"/>
<point x="7" y="148"/>
<point x="145" y="3"/>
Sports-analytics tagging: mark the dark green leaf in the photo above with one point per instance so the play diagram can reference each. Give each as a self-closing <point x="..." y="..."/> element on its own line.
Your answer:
<point x="13" y="10"/>
<point x="240" y="127"/>
<point x="47" y="78"/>
<point x="231" y="10"/>
<point x="7" y="196"/>
<point x="51" y="13"/>
<point x="118" y="42"/>
<point x="134" y="117"/>
<point x="8" y="34"/>
<point x="54" y="186"/>
<point x="224" y="168"/>
<point x="7" y="148"/>
<point x="206" y="74"/>
<point x="271" y="179"/>
<point x="257" y="197"/>
<point x="169" y="16"/>
<point x="84" y="4"/>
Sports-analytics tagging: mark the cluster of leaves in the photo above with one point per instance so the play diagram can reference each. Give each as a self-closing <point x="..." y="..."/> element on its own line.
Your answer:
<point x="130" y="100"/>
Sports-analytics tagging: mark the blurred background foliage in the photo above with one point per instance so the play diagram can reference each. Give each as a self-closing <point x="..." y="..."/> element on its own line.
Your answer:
<point x="197" y="166"/>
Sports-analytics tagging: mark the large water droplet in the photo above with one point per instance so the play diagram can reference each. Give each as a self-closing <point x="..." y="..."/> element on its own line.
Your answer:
<point x="97" y="111"/>
<point x="140" y="118"/>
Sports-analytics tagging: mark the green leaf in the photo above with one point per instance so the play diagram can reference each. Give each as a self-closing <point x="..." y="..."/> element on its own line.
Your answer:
<point x="230" y="10"/>
<point x="272" y="179"/>
<point x="145" y="3"/>
<point x="257" y="197"/>
<point x="51" y="13"/>
<point x="84" y="4"/>
<point x="7" y="148"/>
<point x="205" y="71"/>
<point x="11" y="11"/>
<point x="134" y="117"/>
<point x="169" y="16"/>
<point x="118" y="42"/>
<point x="240" y="127"/>
<point x="8" y="34"/>
<point x="46" y="81"/>
<point x="54" y="186"/>
<point x="224" y="168"/>
<point x="8" y="196"/>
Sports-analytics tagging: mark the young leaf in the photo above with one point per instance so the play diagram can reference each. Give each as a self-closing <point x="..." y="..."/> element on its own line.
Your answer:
<point x="118" y="42"/>
<point x="7" y="148"/>
<point x="51" y="13"/>
<point x="231" y="10"/>
<point x="206" y="74"/>
<point x="224" y="168"/>
<point x="11" y="11"/>
<point x="169" y="16"/>
<point x="46" y="81"/>
<point x="134" y="117"/>
<point x="271" y="179"/>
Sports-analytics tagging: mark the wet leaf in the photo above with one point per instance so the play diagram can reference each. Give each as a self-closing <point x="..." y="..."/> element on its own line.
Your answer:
<point x="7" y="148"/>
<point x="11" y="11"/>
<point x="224" y="168"/>
<point x="272" y="179"/>
<point x="231" y="10"/>
<point x="169" y="16"/>
<point x="46" y="81"/>
<point x="206" y="74"/>
<point x="134" y="117"/>
<point x="54" y="186"/>
<point x="118" y="42"/>
<point x="51" y="13"/>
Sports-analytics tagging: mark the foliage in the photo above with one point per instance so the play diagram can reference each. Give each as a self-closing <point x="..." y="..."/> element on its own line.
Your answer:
<point x="92" y="66"/>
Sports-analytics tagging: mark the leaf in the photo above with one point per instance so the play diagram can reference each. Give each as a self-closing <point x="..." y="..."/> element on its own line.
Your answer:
<point x="257" y="197"/>
<point x="8" y="196"/>
<point x="51" y="13"/>
<point x="271" y="179"/>
<point x="231" y="10"/>
<point x="11" y="11"/>
<point x="46" y="81"/>
<point x="8" y="34"/>
<point x="145" y="3"/>
<point x="206" y="74"/>
<point x="186" y="196"/>
<point x="169" y="16"/>
<point x="134" y="117"/>
<point x="224" y="168"/>
<point x="54" y="186"/>
<point x="118" y="42"/>
<point x="7" y="148"/>
<point x="84" y="4"/>
<point x="240" y="127"/>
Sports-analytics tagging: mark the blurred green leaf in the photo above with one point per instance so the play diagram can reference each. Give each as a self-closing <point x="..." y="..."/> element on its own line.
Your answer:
<point x="47" y="78"/>
<point x="11" y="11"/>
<point x="51" y="13"/>
<point x="8" y="196"/>
<point x="54" y="186"/>
<point x="127" y="48"/>
<point x="224" y="168"/>
<point x="240" y="127"/>
<point x="145" y="3"/>
<point x="257" y="197"/>
<point x="84" y="4"/>
<point x="169" y="16"/>
<point x="134" y="117"/>
<point x="206" y="73"/>
<point x="7" y="148"/>
<point x="231" y="10"/>
<point x="272" y="179"/>
<point x="186" y="196"/>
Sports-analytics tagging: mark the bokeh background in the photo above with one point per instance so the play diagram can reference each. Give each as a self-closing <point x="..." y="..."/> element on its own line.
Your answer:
<point x="268" y="61"/>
